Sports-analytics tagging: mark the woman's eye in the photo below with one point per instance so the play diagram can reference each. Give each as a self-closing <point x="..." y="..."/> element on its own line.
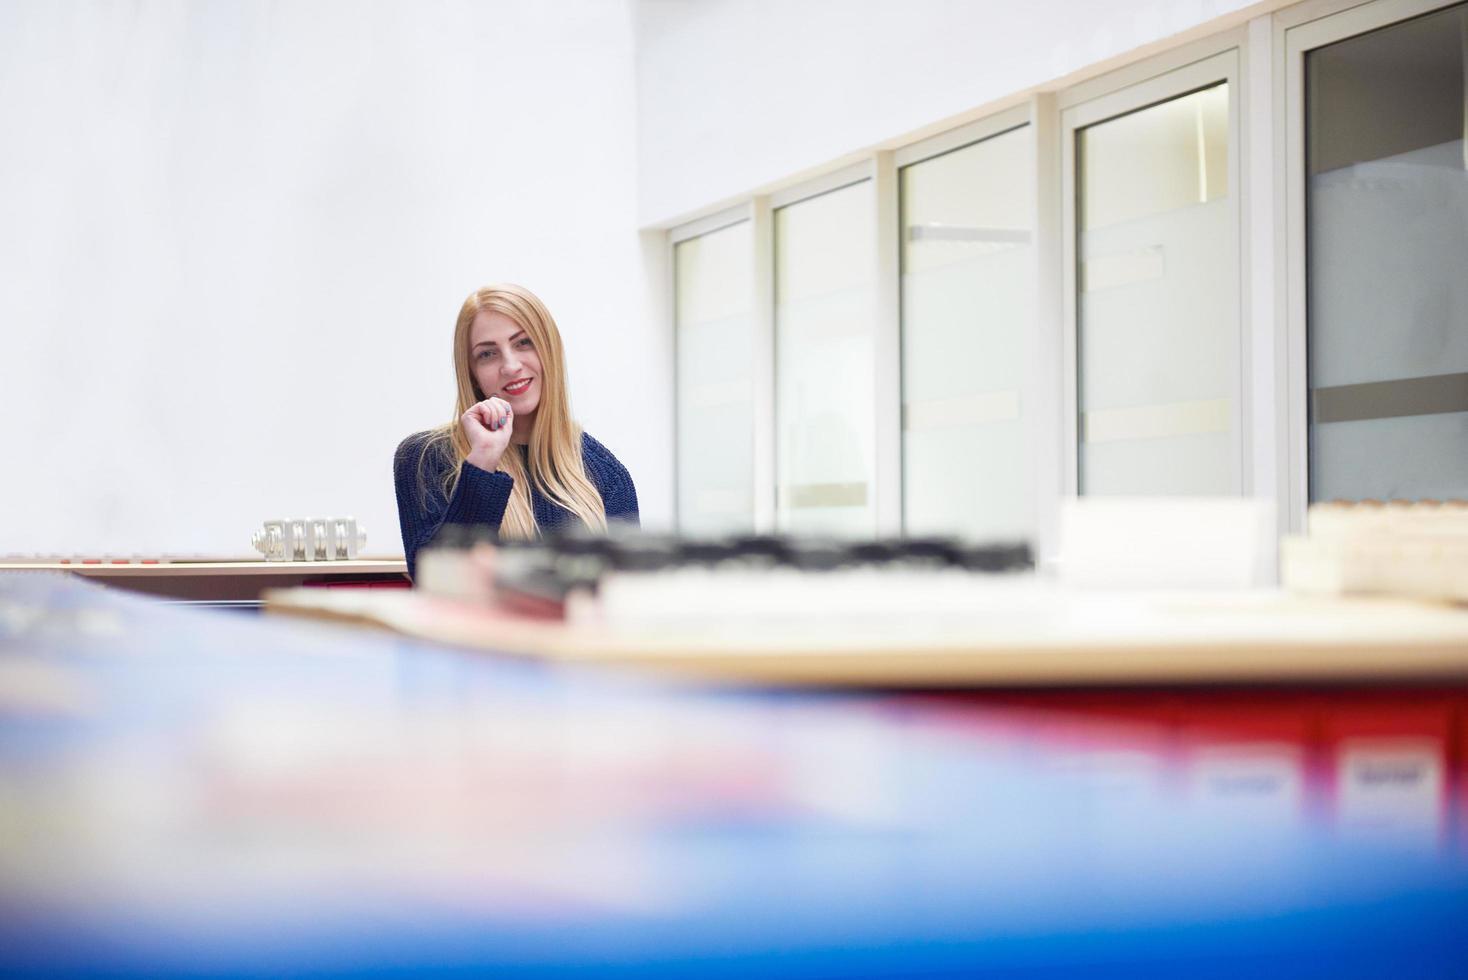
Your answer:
<point x="524" y="343"/>
<point x="485" y="355"/>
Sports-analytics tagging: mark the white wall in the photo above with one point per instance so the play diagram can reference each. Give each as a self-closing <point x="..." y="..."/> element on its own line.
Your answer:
<point x="235" y="236"/>
<point x="737" y="94"/>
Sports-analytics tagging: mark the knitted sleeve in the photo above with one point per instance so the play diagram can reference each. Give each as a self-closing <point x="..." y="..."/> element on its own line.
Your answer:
<point x="612" y="481"/>
<point x="418" y="470"/>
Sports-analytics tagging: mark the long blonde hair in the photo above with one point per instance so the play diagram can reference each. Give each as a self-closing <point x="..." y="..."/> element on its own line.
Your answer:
<point x="556" y="467"/>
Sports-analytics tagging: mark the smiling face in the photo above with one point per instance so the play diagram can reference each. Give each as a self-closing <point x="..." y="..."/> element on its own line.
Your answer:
<point x="505" y="364"/>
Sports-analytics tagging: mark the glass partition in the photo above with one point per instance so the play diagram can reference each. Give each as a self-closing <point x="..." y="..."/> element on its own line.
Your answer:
<point x="1157" y="301"/>
<point x="825" y="258"/>
<point x="968" y="314"/>
<point x="1386" y="252"/>
<point x="714" y="284"/>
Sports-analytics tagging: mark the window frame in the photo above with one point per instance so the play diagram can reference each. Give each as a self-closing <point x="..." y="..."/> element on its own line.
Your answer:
<point x="1266" y="181"/>
<point x="876" y="169"/>
<point x="1299" y="30"/>
<point x="1222" y="58"/>
<point x="1037" y="423"/>
<point x="707" y="225"/>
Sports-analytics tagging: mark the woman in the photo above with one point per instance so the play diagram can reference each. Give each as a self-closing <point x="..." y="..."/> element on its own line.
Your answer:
<point x="514" y="459"/>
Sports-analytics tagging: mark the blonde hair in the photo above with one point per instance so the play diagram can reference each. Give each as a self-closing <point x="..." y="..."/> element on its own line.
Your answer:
<point x="555" y="463"/>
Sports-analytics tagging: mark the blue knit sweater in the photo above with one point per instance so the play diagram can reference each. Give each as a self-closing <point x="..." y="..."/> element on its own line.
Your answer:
<point x="481" y="496"/>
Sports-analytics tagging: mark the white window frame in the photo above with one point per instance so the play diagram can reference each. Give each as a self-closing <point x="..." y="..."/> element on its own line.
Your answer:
<point x="966" y="135"/>
<point x="1297" y="31"/>
<point x="878" y="169"/>
<point x="1041" y="426"/>
<point x="1266" y="185"/>
<point x="698" y="228"/>
<point x="1219" y="58"/>
<point x="760" y="212"/>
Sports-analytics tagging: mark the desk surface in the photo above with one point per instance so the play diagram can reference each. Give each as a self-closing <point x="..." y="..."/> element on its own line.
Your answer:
<point x="221" y="581"/>
<point x="192" y="792"/>
<point x="1028" y="633"/>
<point x="122" y="569"/>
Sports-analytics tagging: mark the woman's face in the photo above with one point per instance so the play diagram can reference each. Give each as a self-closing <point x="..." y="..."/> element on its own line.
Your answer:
<point x="504" y="362"/>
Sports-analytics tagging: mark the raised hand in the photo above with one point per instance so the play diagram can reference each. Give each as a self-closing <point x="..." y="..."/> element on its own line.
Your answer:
<point x="488" y="426"/>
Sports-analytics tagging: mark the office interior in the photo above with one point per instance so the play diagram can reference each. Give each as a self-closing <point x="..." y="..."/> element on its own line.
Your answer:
<point x="1151" y="278"/>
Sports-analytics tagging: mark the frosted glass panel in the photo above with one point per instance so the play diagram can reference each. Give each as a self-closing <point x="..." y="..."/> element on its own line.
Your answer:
<point x="825" y="256"/>
<point x="714" y="284"/>
<point x="967" y="323"/>
<point x="1387" y="250"/>
<point x="1157" y="301"/>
